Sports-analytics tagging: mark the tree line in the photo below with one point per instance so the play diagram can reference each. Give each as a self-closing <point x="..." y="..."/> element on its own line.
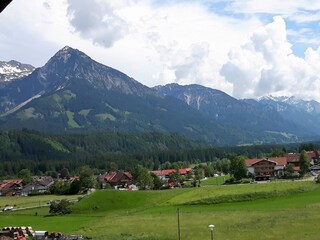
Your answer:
<point x="105" y="151"/>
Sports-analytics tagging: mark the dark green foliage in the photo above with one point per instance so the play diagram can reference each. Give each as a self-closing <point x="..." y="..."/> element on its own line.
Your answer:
<point x="60" y="208"/>
<point x="318" y="179"/>
<point x="157" y="182"/>
<point x="86" y="177"/>
<point x="60" y="188"/>
<point x="304" y="162"/>
<point x="25" y="174"/>
<point x="143" y="178"/>
<point x="75" y="187"/>
<point x="238" y="167"/>
<point x="174" y="177"/>
<point x="65" y="154"/>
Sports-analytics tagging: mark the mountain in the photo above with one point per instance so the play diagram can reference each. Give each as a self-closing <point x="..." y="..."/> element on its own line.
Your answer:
<point x="305" y="114"/>
<point x="282" y="103"/>
<point x="236" y="114"/>
<point x="73" y="93"/>
<point x="13" y="70"/>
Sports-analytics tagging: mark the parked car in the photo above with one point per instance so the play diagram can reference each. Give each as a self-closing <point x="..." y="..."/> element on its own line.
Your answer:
<point x="7" y="208"/>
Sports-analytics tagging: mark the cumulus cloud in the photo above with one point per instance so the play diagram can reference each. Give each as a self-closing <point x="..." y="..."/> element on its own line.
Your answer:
<point x="265" y="65"/>
<point x="97" y="20"/>
<point x="283" y="7"/>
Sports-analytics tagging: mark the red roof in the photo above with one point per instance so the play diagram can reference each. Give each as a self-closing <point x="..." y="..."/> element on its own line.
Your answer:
<point x="6" y="184"/>
<point x="295" y="157"/>
<point x="114" y="176"/>
<point x="280" y="161"/>
<point x="182" y="171"/>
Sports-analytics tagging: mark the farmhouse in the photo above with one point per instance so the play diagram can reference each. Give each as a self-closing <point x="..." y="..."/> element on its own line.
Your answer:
<point x="294" y="158"/>
<point x="38" y="185"/>
<point x="266" y="168"/>
<point x="10" y="187"/>
<point x="117" y="179"/>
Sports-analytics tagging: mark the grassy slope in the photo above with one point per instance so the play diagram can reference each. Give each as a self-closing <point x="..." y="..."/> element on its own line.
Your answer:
<point x="152" y="215"/>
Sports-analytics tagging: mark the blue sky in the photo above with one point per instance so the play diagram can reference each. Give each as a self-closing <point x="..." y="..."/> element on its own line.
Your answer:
<point x="247" y="48"/>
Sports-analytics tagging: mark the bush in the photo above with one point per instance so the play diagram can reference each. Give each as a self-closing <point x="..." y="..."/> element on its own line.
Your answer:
<point x="318" y="179"/>
<point x="60" y="208"/>
<point x="245" y="180"/>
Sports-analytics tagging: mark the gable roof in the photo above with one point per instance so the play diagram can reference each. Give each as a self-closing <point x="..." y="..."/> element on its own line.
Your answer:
<point x="280" y="161"/>
<point x="295" y="157"/>
<point x="116" y="176"/>
<point x="6" y="184"/>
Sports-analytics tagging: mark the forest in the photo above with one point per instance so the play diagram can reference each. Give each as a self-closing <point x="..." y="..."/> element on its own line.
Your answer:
<point x="105" y="151"/>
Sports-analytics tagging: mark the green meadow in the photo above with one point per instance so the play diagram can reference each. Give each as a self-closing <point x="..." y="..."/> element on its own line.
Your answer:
<point x="281" y="210"/>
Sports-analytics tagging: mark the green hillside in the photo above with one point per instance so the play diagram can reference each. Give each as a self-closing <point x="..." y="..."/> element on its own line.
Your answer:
<point x="291" y="211"/>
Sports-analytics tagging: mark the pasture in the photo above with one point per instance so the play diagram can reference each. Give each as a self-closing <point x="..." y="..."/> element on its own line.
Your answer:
<point x="284" y="210"/>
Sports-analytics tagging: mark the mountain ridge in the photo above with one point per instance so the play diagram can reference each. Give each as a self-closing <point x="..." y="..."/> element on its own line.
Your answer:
<point x="74" y="93"/>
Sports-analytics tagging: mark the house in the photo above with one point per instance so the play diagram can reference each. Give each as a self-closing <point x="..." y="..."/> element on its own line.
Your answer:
<point x="10" y="187"/>
<point x="116" y="179"/>
<point x="266" y="168"/>
<point x="38" y="185"/>
<point x="164" y="174"/>
<point x="294" y="158"/>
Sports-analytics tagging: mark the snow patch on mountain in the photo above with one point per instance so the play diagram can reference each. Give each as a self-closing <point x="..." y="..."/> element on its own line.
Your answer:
<point x="13" y="70"/>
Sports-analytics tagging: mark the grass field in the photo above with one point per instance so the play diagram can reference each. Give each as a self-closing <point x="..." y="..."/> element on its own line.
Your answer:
<point x="21" y="201"/>
<point x="215" y="180"/>
<point x="286" y="210"/>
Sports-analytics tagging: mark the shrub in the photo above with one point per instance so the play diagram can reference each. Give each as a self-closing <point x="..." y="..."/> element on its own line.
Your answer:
<point x="318" y="179"/>
<point x="60" y="208"/>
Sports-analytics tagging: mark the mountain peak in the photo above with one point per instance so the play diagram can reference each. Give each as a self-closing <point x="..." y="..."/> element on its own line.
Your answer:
<point x="13" y="70"/>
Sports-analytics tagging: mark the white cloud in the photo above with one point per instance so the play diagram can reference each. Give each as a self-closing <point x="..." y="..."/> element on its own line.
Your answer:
<point x="283" y="7"/>
<point x="174" y="41"/>
<point x="97" y="20"/>
<point x="265" y="65"/>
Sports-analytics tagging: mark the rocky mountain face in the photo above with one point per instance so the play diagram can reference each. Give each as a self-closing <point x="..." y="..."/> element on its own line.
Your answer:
<point x="12" y="70"/>
<point x="73" y="93"/>
<point x="303" y="113"/>
<point x="248" y="115"/>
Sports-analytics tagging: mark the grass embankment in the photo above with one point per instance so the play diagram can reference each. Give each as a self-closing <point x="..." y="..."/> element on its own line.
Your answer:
<point x="215" y="180"/>
<point x="32" y="201"/>
<point x="290" y="214"/>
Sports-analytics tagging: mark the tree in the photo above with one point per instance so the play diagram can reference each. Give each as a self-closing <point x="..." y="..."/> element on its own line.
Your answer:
<point x="143" y="177"/>
<point x="75" y="187"/>
<point x="238" y="167"/>
<point x="25" y="174"/>
<point x="304" y="162"/>
<point x="60" y="187"/>
<point x="86" y="177"/>
<point x="64" y="173"/>
<point x="174" y="177"/>
<point x="198" y="175"/>
<point x="157" y="182"/>
<point x="289" y="170"/>
<point x="63" y="207"/>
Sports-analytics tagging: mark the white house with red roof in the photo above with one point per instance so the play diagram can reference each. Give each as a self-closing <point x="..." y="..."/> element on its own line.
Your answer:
<point x="266" y="168"/>
<point x="164" y="174"/>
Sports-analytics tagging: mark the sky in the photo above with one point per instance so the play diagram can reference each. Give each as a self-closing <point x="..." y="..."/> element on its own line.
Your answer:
<point x="246" y="48"/>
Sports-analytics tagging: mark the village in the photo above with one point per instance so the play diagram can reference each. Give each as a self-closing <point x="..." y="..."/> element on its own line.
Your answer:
<point x="257" y="169"/>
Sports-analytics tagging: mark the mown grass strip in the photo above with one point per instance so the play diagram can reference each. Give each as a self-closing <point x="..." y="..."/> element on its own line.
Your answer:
<point x="250" y="196"/>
